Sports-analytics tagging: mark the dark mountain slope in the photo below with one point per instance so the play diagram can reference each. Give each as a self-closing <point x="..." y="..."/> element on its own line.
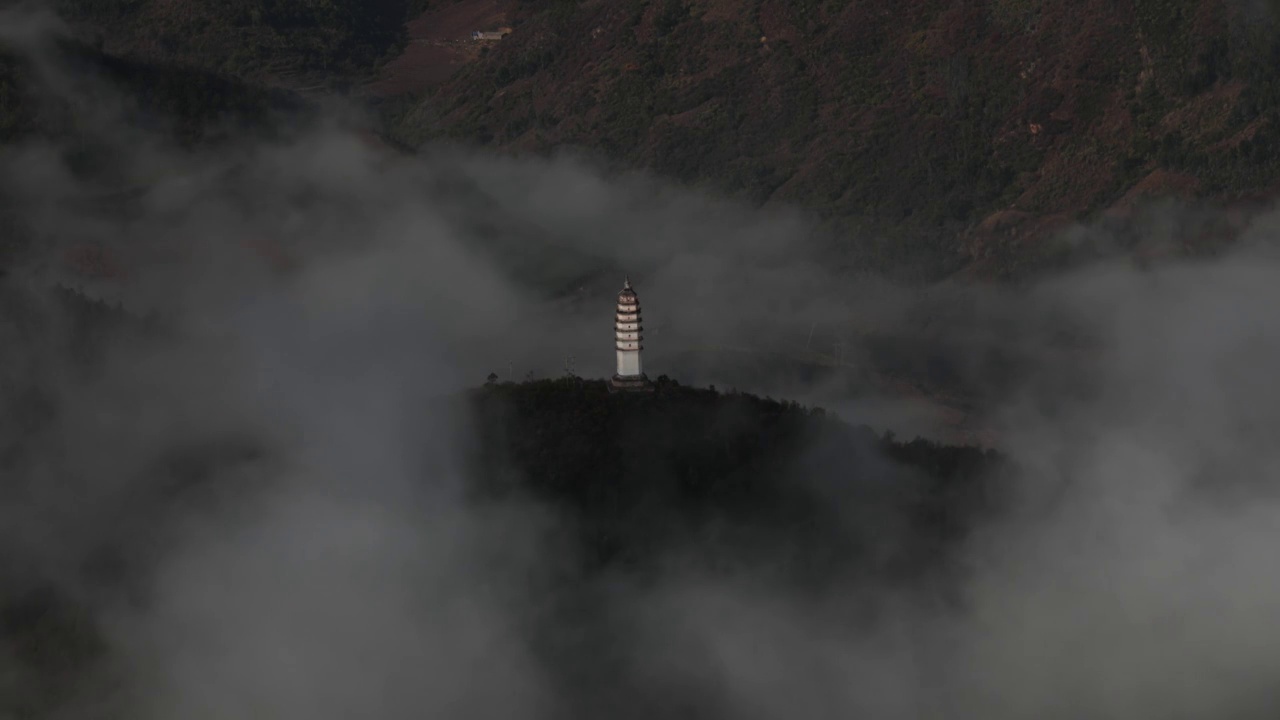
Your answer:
<point x="289" y="42"/>
<point x="99" y="103"/>
<point x="188" y="104"/>
<point x="955" y="132"/>
<point x="940" y="135"/>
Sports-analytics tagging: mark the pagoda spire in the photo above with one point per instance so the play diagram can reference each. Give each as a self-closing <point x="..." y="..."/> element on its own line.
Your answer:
<point x="627" y="341"/>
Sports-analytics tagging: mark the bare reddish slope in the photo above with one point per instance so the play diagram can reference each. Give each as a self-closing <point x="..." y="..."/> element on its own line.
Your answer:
<point x="439" y="43"/>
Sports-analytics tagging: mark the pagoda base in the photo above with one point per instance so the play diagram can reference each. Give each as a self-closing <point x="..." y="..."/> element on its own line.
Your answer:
<point x="630" y="383"/>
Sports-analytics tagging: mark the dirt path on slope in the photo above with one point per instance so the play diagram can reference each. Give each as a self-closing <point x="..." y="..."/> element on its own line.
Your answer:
<point x="439" y="43"/>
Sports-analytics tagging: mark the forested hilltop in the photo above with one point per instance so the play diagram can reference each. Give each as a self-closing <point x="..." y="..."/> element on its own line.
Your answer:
<point x="721" y="483"/>
<point x="729" y="477"/>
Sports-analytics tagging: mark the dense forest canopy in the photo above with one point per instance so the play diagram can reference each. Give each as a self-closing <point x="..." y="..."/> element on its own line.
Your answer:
<point x="645" y="474"/>
<point x="930" y="136"/>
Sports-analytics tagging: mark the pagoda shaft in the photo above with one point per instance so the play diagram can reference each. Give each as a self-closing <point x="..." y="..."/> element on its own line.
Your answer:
<point x="627" y="336"/>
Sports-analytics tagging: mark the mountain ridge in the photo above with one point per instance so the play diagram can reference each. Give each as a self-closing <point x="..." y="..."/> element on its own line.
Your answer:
<point x="943" y="135"/>
<point x="931" y="138"/>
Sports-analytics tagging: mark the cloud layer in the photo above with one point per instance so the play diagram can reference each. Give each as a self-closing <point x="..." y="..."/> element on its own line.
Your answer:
<point x="320" y="297"/>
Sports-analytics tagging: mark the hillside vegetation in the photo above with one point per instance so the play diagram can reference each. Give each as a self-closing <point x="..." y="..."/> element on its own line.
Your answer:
<point x="732" y="480"/>
<point x="930" y="136"/>
<point x="943" y="133"/>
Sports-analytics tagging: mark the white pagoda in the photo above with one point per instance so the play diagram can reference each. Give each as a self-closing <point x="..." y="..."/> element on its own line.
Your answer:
<point x="627" y="342"/>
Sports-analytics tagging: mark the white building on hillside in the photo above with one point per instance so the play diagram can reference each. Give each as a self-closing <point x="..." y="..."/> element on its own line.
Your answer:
<point x="491" y="34"/>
